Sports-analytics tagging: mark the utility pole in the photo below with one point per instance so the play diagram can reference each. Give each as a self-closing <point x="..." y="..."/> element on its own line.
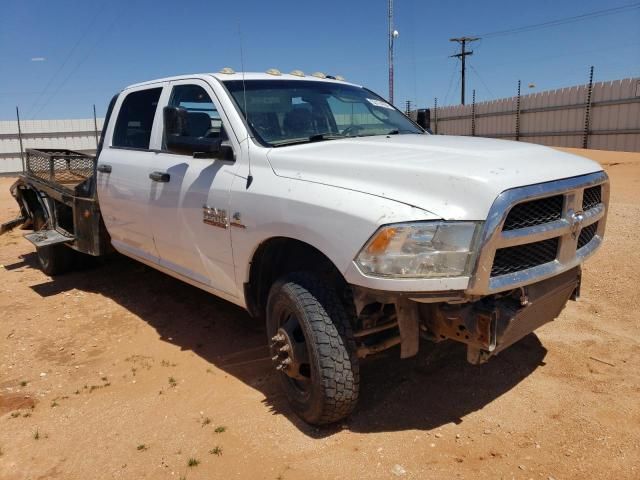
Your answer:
<point x="393" y="34"/>
<point x="462" y="55"/>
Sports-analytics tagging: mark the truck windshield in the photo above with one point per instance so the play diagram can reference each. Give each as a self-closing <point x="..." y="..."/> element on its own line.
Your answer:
<point x="287" y="112"/>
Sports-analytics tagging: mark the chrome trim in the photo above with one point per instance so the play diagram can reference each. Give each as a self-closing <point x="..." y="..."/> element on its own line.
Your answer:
<point x="493" y="238"/>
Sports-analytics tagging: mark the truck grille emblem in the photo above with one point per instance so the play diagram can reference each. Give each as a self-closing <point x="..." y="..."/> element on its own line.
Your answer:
<point x="575" y="222"/>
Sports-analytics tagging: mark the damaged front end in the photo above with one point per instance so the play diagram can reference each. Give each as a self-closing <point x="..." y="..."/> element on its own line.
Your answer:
<point x="486" y="325"/>
<point x="493" y="323"/>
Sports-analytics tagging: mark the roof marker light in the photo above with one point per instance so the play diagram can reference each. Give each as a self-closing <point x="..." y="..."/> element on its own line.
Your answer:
<point x="227" y="71"/>
<point x="319" y="75"/>
<point x="297" y="73"/>
<point x="340" y="78"/>
<point x="274" y="71"/>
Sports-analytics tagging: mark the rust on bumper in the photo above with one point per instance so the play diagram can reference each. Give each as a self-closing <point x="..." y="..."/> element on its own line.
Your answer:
<point x="494" y="323"/>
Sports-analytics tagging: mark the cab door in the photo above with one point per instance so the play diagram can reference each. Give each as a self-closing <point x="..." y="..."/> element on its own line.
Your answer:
<point x="123" y="171"/>
<point x="189" y="202"/>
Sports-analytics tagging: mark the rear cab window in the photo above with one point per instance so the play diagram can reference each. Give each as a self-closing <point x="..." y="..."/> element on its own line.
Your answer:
<point x="135" y="119"/>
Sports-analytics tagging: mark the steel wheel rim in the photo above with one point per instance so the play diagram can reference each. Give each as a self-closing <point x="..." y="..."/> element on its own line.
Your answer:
<point x="291" y="353"/>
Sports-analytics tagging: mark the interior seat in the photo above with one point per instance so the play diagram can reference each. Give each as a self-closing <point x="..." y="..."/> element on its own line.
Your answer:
<point x="299" y="123"/>
<point x="198" y="124"/>
<point x="267" y="125"/>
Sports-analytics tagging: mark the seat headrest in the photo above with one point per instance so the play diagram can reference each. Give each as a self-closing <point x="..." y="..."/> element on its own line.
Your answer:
<point x="299" y="122"/>
<point x="198" y="124"/>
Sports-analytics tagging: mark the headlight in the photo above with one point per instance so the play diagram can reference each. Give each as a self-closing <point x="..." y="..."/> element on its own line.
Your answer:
<point x="420" y="250"/>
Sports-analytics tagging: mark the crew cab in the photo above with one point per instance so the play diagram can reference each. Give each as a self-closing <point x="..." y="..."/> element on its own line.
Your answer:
<point x="328" y="214"/>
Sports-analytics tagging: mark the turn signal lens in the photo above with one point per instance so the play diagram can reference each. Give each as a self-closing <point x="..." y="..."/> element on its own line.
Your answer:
<point x="381" y="241"/>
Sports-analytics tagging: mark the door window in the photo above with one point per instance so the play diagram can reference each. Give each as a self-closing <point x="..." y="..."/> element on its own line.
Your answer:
<point x="135" y="119"/>
<point x="203" y="121"/>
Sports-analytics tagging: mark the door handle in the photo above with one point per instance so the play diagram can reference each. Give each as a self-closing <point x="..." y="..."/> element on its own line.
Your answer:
<point x="104" y="168"/>
<point x="161" y="177"/>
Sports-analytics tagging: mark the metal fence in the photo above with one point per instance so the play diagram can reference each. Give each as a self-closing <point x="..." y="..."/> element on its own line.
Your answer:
<point x="603" y="115"/>
<point x="76" y="134"/>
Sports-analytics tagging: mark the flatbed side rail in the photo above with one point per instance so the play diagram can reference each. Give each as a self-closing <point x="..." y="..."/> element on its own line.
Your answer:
<point x="66" y="169"/>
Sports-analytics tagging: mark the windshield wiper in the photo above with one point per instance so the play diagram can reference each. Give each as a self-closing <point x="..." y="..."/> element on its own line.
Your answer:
<point x="325" y="136"/>
<point x="396" y="131"/>
<point x="313" y="138"/>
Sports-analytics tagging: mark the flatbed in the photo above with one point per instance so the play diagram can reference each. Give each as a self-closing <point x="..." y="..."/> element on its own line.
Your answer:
<point x="57" y="195"/>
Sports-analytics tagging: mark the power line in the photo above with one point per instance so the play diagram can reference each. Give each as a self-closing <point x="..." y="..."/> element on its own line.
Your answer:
<point x="453" y="73"/>
<point x="81" y="62"/>
<point x="481" y="80"/>
<point x="455" y="88"/>
<point x="66" y="60"/>
<point x="562" y="21"/>
<point x="566" y="53"/>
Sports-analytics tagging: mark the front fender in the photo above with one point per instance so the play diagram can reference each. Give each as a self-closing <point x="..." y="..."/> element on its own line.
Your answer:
<point x="335" y="221"/>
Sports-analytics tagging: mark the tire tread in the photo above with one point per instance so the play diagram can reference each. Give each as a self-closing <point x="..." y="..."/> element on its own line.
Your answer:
<point x="331" y="327"/>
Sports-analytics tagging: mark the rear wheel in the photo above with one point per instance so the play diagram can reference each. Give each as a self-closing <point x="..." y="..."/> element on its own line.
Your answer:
<point x="53" y="259"/>
<point x="313" y="348"/>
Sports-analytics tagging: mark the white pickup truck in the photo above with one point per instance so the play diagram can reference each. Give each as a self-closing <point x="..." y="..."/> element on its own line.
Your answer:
<point x="322" y="209"/>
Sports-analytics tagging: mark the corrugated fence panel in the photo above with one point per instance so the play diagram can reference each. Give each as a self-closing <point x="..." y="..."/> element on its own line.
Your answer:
<point x="557" y="117"/>
<point x="72" y="134"/>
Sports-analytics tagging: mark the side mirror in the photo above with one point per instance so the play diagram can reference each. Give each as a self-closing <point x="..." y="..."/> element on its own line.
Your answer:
<point x="424" y="118"/>
<point x="178" y="140"/>
<point x="175" y="121"/>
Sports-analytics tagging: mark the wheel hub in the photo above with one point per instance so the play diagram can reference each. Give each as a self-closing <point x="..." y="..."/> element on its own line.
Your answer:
<point x="287" y="355"/>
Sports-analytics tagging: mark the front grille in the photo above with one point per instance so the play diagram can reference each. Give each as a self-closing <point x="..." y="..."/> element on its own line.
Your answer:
<point x="535" y="212"/>
<point x="587" y="234"/>
<point x="513" y="259"/>
<point x="592" y="196"/>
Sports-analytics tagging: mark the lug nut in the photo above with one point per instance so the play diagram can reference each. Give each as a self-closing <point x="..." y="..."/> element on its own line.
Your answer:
<point x="286" y="362"/>
<point x="278" y="338"/>
<point x="275" y="358"/>
<point x="285" y="349"/>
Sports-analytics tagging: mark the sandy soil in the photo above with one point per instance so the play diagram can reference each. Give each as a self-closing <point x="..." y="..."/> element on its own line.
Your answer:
<point x="122" y="372"/>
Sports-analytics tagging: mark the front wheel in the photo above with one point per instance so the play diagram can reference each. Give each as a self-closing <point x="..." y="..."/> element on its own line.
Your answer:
<point x="313" y="348"/>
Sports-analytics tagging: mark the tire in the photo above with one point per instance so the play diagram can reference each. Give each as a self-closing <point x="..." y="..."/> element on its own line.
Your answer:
<point x="322" y="387"/>
<point x="53" y="259"/>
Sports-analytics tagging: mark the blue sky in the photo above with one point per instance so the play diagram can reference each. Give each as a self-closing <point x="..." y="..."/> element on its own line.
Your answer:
<point x="59" y="57"/>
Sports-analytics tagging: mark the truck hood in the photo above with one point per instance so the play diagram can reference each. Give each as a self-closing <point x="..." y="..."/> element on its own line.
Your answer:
<point x="455" y="178"/>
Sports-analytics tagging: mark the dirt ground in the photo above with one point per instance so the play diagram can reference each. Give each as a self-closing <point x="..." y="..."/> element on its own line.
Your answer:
<point x="122" y="372"/>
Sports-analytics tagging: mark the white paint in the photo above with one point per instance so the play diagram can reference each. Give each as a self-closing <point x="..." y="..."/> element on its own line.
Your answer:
<point x="332" y="195"/>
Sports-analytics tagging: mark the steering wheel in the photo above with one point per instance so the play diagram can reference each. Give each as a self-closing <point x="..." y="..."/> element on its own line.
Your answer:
<point x="351" y="130"/>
